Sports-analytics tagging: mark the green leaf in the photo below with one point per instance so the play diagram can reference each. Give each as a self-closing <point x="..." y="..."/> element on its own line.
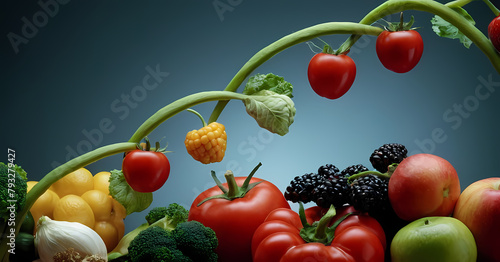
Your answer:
<point x="269" y="82"/>
<point x="132" y="200"/>
<point x="445" y="29"/>
<point x="272" y="111"/>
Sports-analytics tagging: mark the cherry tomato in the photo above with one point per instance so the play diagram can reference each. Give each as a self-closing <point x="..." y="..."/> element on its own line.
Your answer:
<point x="145" y="171"/>
<point x="330" y="75"/>
<point x="399" y="51"/>
<point x="235" y="221"/>
<point x="494" y="32"/>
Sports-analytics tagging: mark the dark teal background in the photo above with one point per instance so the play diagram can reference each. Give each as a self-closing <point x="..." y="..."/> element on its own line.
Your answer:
<point x="76" y="70"/>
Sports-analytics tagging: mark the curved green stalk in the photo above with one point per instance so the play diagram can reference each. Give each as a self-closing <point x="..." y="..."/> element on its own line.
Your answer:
<point x="286" y="42"/>
<point x="458" y="3"/>
<point x="492" y="7"/>
<point x="386" y="8"/>
<point x="178" y="106"/>
<point x="433" y="7"/>
<point x="70" y="166"/>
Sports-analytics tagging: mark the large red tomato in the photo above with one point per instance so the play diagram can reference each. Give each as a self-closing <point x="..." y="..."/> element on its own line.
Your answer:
<point x="234" y="221"/>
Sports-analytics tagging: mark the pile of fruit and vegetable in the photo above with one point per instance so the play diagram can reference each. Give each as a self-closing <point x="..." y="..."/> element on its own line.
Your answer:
<point x="401" y="208"/>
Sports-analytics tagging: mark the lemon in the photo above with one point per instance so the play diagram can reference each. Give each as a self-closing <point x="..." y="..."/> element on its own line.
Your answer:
<point x="73" y="208"/>
<point x="75" y="183"/>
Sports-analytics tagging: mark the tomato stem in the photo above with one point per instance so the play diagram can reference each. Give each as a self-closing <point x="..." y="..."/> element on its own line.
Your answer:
<point x="232" y="191"/>
<point x="321" y="229"/>
<point x="233" y="188"/>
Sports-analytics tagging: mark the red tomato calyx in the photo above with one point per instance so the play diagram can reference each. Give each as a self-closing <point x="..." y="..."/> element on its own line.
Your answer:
<point x="146" y="146"/>
<point x="401" y="25"/>
<point x="232" y="191"/>
<point x="320" y="232"/>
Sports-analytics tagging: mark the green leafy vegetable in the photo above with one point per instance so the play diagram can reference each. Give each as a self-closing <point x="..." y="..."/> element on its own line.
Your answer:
<point x="272" y="111"/>
<point x="445" y="29"/>
<point x="133" y="201"/>
<point x="13" y="190"/>
<point x="175" y="213"/>
<point x="269" y="82"/>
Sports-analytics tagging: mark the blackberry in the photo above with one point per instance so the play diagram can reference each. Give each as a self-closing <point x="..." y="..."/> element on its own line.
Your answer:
<point x="301" y="188"/>
<point x="352" y="170"/>
<point x="333" y="191"/>
<point x="369" y="194"/>
<point x="329" y="171"/>
<point x="386" y="155"/>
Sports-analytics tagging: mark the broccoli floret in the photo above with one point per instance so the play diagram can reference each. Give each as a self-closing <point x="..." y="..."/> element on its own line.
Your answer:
<point x="174" y="211"/>
<point x="196" y="241"/>
<point x="13" y="189"/>
<point x="155" y="244"/>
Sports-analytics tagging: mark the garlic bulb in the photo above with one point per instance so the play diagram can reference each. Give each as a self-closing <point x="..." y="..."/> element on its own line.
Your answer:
<point x="67" y="239"/>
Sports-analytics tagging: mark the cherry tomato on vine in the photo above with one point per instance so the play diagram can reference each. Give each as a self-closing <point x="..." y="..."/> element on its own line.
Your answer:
<point x="144" y="170"/>
<point x="330" y="75"/>
<point x="494" y="32"/>
<point x="399" y="51"/>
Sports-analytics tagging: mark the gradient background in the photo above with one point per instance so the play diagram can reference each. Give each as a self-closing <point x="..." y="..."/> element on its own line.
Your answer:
<point x="65" y="80"/>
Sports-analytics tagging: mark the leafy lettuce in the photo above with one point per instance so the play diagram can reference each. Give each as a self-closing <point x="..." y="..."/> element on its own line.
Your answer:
<point x="132" y="200"/>
<point x="269" y="102"/>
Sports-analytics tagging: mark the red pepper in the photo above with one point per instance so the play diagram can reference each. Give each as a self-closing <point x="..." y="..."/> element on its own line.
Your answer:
<point x="313" y="235"/>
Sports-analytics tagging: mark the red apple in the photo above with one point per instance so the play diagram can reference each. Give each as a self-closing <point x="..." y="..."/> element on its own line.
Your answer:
<point x="478" y="207"/>
<point x="424" y="185"/>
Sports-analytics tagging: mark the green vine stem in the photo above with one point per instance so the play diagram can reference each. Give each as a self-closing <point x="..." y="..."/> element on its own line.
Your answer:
<point x="178" y="106"/>
<point x="386" y="8"/>
<point x="433" y="7"/>
<point x="290" y="40"/>
<point x="493" y="8"/>
<point x="458" y="3"/>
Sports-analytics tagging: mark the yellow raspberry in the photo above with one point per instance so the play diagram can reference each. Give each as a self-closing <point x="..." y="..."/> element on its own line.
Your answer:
<point x="207" y="144"/>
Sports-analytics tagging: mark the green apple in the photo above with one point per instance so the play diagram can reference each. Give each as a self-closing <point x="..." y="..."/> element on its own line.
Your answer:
<point x="440" y="239"/>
